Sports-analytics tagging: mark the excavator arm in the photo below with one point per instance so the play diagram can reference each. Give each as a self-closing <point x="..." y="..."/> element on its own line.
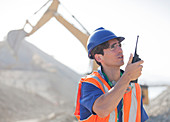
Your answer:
<point x="46" y="17"/>
<point x="52" y="12"/>
<point x="82" y="37"/>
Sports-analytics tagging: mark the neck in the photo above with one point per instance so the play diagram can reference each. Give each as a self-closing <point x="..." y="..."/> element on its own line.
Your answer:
<point x="112" y="73"/>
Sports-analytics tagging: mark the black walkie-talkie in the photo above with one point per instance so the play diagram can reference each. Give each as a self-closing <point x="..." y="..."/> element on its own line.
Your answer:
<point x="135" y="58"/>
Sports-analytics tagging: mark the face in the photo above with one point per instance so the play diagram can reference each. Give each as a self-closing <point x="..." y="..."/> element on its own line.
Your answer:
<point x="113" y="56"/>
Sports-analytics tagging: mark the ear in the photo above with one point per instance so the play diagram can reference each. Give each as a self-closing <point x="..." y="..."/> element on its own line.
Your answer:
<point x="98" y="57"/>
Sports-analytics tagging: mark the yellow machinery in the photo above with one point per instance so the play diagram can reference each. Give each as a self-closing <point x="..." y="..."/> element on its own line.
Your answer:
<point x="52" y="12"/>
<point x="145" y="96"/>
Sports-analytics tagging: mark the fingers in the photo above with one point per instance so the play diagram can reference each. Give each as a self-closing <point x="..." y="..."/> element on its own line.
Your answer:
<point x="139" y="62"/>
<point x="134" y="70"/>
<point x="130" y="59"/>
<point x="139" y="65"/>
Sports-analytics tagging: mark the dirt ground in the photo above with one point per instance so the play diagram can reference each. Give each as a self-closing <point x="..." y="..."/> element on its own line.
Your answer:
<point x="159" y="108"/>
<point x="19" y="106"/>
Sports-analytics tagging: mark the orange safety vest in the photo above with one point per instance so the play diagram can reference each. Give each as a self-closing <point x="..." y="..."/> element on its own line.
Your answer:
<point x="131" y="101"/>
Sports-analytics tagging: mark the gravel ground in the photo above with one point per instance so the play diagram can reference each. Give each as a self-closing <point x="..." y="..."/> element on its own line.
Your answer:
<point x="159" y="108"/>
<point x="19" y="106"/>
<point x="15" y="104"/>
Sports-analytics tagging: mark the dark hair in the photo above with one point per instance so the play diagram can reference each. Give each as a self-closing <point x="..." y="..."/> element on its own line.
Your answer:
<point x="99" y="50"/>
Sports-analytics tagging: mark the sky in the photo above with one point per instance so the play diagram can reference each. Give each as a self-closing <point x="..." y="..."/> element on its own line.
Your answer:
<point x="150" y="19"/>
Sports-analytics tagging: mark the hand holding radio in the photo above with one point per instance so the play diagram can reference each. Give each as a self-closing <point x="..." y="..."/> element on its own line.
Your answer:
<point x="134" y="67"/>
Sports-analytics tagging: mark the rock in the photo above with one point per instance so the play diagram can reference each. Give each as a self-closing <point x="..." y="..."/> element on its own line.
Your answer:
<point x="34" y="84"/>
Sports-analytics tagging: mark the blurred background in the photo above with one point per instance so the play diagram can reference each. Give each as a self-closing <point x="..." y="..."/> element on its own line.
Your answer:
<point x="40" y="70"/>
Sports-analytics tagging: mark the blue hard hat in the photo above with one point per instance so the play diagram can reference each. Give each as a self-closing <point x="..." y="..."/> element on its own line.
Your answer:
<point x="99" y="36"/>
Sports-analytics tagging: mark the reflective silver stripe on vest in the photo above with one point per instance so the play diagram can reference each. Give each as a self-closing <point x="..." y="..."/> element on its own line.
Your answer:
<point x="96" y="78"/>
<point x="112" y="115"/>
<point x="133" y="108"/>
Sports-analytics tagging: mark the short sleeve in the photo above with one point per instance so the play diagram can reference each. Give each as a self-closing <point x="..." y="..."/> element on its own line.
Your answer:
<point x="89" y="93"/>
